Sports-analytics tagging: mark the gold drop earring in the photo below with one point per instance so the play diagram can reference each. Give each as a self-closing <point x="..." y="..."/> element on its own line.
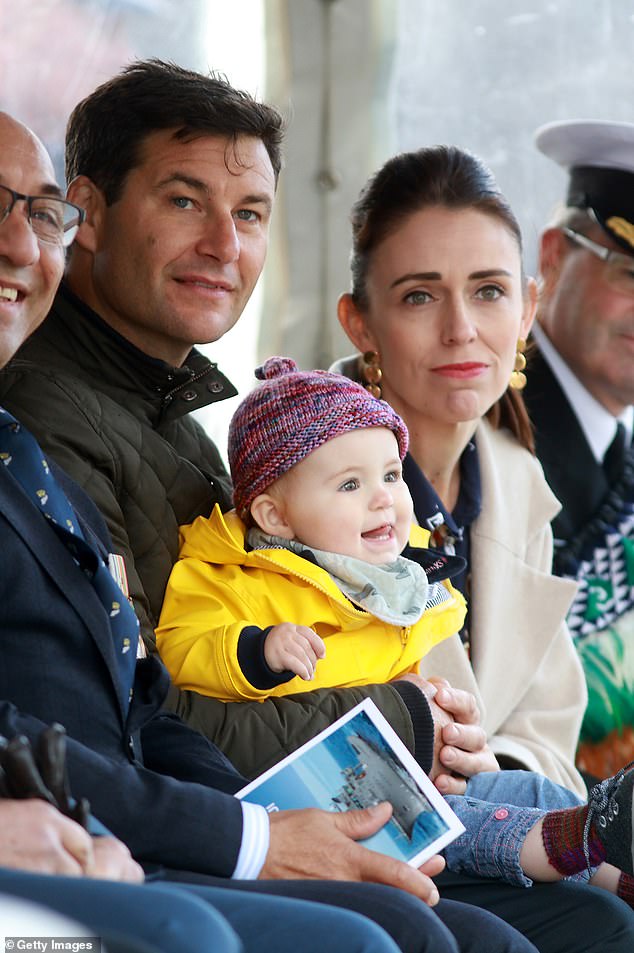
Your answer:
<point x="371" y="372"/>
<point x="518" y="378"/>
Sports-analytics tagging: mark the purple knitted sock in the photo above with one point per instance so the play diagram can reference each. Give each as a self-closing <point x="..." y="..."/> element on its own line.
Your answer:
<point x="562" y="835"/>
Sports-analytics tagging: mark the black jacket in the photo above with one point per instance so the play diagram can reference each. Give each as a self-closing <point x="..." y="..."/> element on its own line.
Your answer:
<point x="57" y="664"/>
<point x="574" y="475"/>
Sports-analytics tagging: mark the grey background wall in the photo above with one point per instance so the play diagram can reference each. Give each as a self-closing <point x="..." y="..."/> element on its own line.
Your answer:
<point x="359" y="80"/>
<point x="482" y="74"/>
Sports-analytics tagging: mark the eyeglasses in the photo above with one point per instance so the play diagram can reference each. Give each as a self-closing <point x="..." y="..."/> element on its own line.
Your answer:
<point x="619" y="269"/>
<point x="52" y="219"/>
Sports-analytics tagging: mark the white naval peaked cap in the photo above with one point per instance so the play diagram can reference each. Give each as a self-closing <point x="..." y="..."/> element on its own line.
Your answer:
<point x="588" y="142"/>
<point x="599" y="156"/>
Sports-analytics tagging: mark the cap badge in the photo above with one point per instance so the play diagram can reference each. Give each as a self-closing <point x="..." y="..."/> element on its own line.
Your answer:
<point x="622" y="228"/>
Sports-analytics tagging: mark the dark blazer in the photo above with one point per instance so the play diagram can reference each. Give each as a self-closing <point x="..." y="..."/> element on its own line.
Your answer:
<point x="57" y="663"/>
<point x="575" y="477"/>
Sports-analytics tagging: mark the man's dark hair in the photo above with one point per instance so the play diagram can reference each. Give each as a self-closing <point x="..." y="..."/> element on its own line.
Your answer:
<point x="106" y="131"/>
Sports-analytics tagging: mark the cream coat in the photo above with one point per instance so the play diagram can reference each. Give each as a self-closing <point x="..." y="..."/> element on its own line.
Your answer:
<point x="524" y="671"/>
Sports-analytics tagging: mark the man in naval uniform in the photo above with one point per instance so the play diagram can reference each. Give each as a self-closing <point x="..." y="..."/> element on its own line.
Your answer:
<point x="580" y="393"/>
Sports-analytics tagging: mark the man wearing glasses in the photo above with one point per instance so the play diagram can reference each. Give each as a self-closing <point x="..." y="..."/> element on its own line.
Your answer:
<point x="580" y="394"/>
<point x="54" y="222"/>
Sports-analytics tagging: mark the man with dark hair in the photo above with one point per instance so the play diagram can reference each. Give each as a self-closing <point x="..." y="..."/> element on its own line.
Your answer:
<point x="152" y="95"/>
<point x="177" y="173"/>
<point x="69" y="641"/>
<point x="580" y="394"/>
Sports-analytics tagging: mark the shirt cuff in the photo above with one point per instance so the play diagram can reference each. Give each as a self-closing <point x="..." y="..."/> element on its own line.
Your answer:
<point x="255" y="842"/>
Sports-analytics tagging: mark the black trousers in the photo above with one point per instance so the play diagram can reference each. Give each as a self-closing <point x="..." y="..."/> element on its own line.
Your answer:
<point x="474" y="915"/>
<point x="556" y="918"/>
<point x="450" y="927"/>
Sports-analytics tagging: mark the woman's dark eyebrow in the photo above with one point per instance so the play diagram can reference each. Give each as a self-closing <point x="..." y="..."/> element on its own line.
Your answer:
<point x="491" y="273"/>
<point x="417" y="276"/>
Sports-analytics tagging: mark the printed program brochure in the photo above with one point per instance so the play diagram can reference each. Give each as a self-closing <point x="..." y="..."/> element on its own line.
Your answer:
<point x="356" y="762"/>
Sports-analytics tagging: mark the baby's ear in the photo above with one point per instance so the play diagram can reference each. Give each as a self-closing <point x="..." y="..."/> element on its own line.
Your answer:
<point x="269" y="515"/>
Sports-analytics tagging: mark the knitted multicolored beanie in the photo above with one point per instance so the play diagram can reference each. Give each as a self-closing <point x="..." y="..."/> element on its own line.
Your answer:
<point x="291" y="414"/>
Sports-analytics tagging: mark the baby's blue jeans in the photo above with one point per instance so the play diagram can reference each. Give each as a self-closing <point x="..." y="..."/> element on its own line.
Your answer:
<point x="498" y="810"/>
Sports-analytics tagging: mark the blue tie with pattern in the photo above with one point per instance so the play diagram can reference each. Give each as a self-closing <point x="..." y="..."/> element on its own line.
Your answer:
<point x="24" y="459"/>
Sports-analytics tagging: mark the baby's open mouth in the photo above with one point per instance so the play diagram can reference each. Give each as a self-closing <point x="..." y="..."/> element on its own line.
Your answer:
<point x="381" y="532"/>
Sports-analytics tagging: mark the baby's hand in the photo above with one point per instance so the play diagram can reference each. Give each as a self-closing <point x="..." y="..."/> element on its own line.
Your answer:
<point x="293" y="648"/>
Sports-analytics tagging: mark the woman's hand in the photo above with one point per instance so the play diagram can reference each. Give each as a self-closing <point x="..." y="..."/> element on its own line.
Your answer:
<point x="460" y="743"/>
<point x="465" y="750"/>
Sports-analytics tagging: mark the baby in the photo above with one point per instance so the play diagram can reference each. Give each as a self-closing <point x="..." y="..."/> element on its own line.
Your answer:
<point x="319" y="575"/>
<point x="309" y="568"/>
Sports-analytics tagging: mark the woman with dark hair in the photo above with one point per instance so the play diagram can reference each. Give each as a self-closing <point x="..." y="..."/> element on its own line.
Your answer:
<point x="440" y="309"/>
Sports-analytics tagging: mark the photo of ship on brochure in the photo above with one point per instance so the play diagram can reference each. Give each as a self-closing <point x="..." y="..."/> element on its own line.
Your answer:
<point x="356" y="762"/>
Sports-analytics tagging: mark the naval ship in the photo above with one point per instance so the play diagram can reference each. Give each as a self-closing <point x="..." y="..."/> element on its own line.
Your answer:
<point x="377" y="777"/>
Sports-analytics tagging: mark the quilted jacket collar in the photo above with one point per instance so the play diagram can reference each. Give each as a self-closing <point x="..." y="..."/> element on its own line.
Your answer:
<point x="86" y="344"/>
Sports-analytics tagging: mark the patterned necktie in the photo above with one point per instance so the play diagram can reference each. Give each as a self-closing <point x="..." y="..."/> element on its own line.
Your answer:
<point x="23" y="457"/>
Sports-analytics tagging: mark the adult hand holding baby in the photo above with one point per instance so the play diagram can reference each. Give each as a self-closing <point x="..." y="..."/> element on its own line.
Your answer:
<point x="460" y="743"/>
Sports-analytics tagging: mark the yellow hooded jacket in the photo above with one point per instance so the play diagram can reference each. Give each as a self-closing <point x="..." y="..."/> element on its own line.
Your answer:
<point x="217" y="589"/>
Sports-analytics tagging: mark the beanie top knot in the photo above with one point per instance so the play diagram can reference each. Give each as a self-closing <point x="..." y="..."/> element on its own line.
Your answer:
<point x="275" y="367"/>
